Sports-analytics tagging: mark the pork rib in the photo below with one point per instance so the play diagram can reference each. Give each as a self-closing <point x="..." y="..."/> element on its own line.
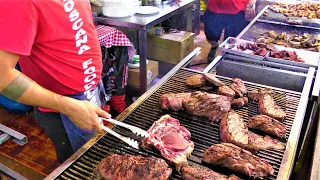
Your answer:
<point x="173" y="101"/>
<point x="240" y="102"/>
<point x="171" y="139"/>
<point x="211" y="78"/>
<point x="268" y="125"/>
<point x="208" y="105"/>
<point x="127" y="167"/>
<point x="238" y="160"/>
<point x="239" y="87"/>
<point x="197" y="80"/>
<point x="268" y="106"/>
<point x="257" y="142"/>
<point x="226" y="91"/>
<point x="256" y="94"/>
<point x="203" y="173"/>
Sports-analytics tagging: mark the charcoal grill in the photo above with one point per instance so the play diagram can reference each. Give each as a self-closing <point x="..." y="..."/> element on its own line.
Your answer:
<point x="146" y="110"/>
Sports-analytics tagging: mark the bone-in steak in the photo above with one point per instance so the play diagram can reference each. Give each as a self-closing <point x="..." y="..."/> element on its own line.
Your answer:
<point x="197" y="80"/>
<point x="226" y="91"/>
<point x="238" y="160"/>
<point x="173" y="101"/>
<point x="268" y="125"/>
<point x="209" y="105"/>
<point x="171" y="139"/>
<point x="211" y="78"/>
<point x="268" y="106"/>
<point x="239" y="87"/>
<point x="203" y="173"/>
<point x="128" y="167"/>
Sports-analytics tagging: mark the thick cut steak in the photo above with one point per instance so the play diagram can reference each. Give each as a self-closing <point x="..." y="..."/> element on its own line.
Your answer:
<point x="226" y="91"/>
<point x="239" y="87"/>
<point x="197" y="80"/>
<point x="209" y="105"/>
<point x="268" y="106"/>
<point x="128" y="167"/>
<point x="238" y="160"/>
<point x="211" y="78"/>
<point x="268" y="125"/>
<point x="171" y="139"/>
<point x="173" y="101"/>
<point x="240" y="102"/>
<point x="203" y="173"/>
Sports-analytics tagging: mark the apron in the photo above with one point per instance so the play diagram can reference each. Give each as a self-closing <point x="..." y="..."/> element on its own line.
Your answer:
<point x="77" y="136"/>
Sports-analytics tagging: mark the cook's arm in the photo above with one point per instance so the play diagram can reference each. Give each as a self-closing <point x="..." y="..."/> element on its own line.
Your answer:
<point x="251" y="10"/>
<point x="20" y="88"/>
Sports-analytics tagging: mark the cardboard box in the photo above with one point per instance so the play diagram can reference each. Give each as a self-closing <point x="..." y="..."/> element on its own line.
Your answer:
<point x="152" y="72"/>
<point x="171" y="48"/>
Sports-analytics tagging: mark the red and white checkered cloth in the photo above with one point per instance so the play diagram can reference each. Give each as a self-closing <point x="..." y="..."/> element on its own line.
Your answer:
<point x="110" y="36"/>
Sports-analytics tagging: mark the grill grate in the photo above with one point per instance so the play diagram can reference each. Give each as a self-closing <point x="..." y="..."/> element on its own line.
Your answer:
<point x="203" y="133"/>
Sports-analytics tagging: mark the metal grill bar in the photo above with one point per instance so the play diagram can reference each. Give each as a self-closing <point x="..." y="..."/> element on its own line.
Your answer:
<point x="203" y="133"/>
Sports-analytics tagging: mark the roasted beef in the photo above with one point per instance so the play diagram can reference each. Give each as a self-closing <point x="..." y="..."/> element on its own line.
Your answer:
<point x="173" y="101"/>
<point x="240" y="102"/>
<point x="197" y="80"/>
<point x="211" y="78"/>
<point x="257" y="142"/>
<point x="256" y="94"/>
<point x="171" y="139"/>
<point x="203" y="173"/>
<point x="128" y="167"/>
<point x="226" y="91"/>
<point x="268" y="125"/>
<point x="209" y="105"/>
<point x="238" y="160"/>
<point x="268" y="106"/>
<point x="239" y="87"/>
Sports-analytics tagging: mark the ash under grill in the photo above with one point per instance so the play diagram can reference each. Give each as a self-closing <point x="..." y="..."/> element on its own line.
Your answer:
<point x="203" y="133"/>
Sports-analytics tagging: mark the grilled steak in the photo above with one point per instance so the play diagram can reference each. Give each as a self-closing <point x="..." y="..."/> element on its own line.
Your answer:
<point x="268" y="125"/>
<point x="268" y="106"/>
<point x="240" y="102"/>
<point x="209" y="105"/>
<point x="256" y="94"/>
<point x="203" y="173"/>
<point x="171" y="139"/>
<point x="234" y="130"/>
<point x="238" y="160"/>
<point x="239" y="87"/>
<point x="211" y="78"/>
<point x="197" y="80"/>
<point x="173" y="101"/>
<point x="226" y="91"/>
<point x="127" y="167"/>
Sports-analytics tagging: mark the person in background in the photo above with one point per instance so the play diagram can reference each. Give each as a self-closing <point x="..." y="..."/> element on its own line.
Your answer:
<point x="58" y="50"/>
<point x="230" y="15"/>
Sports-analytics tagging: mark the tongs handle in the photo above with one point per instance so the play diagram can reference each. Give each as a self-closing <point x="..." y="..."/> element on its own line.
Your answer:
<point x="129" y="141"/>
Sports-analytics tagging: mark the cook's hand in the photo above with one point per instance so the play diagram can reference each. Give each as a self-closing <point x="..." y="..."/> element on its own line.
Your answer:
<point x="250" y="12"/>
<point x="84" y="114"/>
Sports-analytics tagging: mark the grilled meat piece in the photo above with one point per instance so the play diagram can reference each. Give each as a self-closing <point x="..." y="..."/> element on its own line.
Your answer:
<point x="209" y="105"/>
<point x="268" y="125"/>
<point x="239" y="87"/>
<point x="173" y="101"/>
<point x="197" y="80"/>
<point x="203" y="173"/>
<point x="238" y="160"/>
<point x="256" y="94"/>
<point x="171" y="139"/>
<point x="226" y="91"/>
<point x="240" y="102"/>
<point x="257" y="142"/>
<point x="127" y="167"/>
<point x="211" y="78"/>
<point x="268" y="106"/>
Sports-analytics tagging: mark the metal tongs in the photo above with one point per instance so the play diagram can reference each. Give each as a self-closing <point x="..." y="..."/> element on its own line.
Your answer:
<point x="131" y="142"/>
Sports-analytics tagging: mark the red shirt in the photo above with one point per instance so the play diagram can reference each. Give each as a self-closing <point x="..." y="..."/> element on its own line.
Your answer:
<point x="227" y="6"/>
<point x="57" y="42"/>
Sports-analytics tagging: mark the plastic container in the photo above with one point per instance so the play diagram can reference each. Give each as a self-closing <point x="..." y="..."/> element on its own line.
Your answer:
<point x="119" y="8"/>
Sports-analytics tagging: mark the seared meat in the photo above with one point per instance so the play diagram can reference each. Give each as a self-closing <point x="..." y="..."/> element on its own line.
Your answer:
<point x="238" y="160"/>
<point x="256" y="94"/>
<point x="268" y="106"/>
<point x="171" y="139"/>
<point x="268" y="125"/>
<point x="127" y="167"/>
<point x="226" y="91"/>
<point x="209" y="105"/>
<point x="257" y="142"/>
<point x="197" y="80"/>
<point x="239" y="87"/>
<point x="203" y="173"/>
<point x="211" y="78"/>
<point x="173" y="101"/>
<point x="240" y="102"/>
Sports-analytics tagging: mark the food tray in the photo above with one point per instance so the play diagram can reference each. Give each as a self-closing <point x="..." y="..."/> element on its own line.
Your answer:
<point x="236" y="51"/>
<point x="311" y="59"/>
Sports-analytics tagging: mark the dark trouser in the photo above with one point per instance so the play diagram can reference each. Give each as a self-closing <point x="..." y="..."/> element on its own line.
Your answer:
<point x="232" y="23"/>
<point x="53" y="126"/>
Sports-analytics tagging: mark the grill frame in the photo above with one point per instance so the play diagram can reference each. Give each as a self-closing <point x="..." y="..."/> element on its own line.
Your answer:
<point x="287" y="162"/>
